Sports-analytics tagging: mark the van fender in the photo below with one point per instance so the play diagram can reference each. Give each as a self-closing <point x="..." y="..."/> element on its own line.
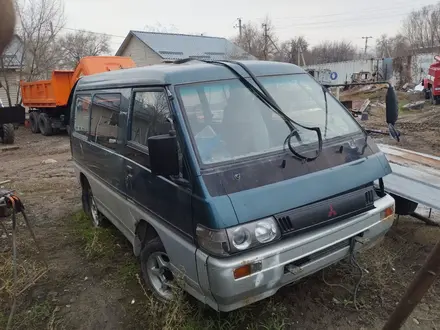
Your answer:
<point x="179" y="247"/>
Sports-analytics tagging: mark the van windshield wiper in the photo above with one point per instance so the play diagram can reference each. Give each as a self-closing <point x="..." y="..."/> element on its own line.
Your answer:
<point x="267" y="99"/>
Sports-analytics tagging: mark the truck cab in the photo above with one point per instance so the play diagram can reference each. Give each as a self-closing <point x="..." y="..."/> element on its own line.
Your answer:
<point x="431" y="83"/>
<point x="239" y="177"/>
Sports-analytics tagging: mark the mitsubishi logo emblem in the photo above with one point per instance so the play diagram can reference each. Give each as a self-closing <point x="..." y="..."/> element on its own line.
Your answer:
<point x="332" y="212"/>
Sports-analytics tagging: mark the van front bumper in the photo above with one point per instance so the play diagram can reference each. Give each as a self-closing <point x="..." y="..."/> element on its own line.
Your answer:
<point x="290" y="259"/>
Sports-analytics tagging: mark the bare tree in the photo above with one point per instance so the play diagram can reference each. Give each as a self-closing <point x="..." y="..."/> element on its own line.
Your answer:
<point x="259" y="41"/>
<point x="422" y="27"/>
<point x="40" y="22"/>
<point x="392" y="46"/>
<point x="33" y="52"/>
<point x="295" y="50"/>
<point x="332" y="51"/>
<point x="77" y="45"/>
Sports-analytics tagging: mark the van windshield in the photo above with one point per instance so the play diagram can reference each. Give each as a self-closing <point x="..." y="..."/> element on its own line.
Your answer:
<point x="228" y="122"/>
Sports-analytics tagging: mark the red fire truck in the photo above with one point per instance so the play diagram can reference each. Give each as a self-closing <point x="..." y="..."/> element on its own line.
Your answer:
<point x="431" y="83"/>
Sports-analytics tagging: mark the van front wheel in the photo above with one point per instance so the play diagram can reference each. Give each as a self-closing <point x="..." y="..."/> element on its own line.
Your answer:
<point x="156" y="272"/>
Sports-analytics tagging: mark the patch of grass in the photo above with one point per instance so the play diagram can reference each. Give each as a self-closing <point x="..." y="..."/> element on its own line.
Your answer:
<point x="33" y="318"/>
<point x="98" y="242"/>
<point x="127" y="272"/>
<point x="185" y="313"/>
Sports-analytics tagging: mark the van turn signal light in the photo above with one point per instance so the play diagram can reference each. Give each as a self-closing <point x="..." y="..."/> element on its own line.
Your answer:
<point x="242" y="271"/>
<point x="387" y="213"/>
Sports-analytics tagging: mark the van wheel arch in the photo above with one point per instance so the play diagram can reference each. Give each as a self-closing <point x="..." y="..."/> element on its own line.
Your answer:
<point x="145" y="233"/>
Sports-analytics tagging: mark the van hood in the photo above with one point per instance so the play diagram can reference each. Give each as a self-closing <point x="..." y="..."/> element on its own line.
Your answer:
<point x="263" y="188"/>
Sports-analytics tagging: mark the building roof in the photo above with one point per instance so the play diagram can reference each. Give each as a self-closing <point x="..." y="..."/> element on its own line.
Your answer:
<point x="171" y="46"/>
<point x="175" y="74"/>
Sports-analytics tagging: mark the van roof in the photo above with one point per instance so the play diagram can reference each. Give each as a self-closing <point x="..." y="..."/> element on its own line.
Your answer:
<point x="176" y="74"/>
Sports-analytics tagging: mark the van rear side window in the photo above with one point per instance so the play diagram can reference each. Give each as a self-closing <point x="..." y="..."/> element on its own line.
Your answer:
<point x="82" y="114"/>
<point x="105" y="119"/>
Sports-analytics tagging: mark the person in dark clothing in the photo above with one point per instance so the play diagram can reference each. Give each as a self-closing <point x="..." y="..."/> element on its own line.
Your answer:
<point x="7" y="23"/>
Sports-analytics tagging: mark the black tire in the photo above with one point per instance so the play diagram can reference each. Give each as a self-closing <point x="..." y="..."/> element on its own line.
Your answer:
<point x="33" y="118"/>
<point x="404" y="206"/>
<point x="427" y="94"/>
<point x="149" y="250"/>
<point x="434" y="99"/>
<point x="45" y="124"/>
<point x="68" y="130"/>
<point x="8" y="133"/>
<point x="89" y="205"/>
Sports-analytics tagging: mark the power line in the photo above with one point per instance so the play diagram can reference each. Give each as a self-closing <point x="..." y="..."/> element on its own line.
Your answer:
<point x="88" y="31"/>
<point x="369" y="9"/>
<point x="326" y="24"/>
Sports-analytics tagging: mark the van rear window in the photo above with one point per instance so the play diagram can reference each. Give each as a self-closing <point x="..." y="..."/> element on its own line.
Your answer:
<point x="82" y="113"/>
<point x="104" y="128"/>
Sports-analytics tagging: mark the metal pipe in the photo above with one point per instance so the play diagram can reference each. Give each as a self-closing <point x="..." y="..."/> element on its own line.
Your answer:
<point x="425" y="219"/>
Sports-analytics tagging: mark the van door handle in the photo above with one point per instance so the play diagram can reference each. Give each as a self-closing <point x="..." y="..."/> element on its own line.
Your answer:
<point x="357" y="162"/>
<point x="129" y="181"/>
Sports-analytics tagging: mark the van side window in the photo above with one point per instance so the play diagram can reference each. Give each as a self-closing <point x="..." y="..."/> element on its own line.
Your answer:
<point x="82" y="114"/>
<point x="150" y="116"/>
<point x="105" y="117"/>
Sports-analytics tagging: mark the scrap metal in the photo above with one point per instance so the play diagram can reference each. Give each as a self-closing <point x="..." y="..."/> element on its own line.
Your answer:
<point x="415" y="176"/>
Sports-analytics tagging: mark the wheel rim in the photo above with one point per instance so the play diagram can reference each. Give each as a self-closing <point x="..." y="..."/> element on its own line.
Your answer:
<point x="159" y="274"/>
<point x="94" y="210"/>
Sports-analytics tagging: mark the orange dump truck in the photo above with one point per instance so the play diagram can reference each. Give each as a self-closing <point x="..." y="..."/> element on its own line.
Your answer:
<point x="47" y="99"/>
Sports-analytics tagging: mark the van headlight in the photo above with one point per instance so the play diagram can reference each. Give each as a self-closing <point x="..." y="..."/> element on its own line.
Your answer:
<point x="241" y="238"/>
<point x="225" y="242"/>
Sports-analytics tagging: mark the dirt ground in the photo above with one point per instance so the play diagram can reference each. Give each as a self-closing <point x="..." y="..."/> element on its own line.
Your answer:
<point x="93" y="282"/>
<point x="419" y="129"/>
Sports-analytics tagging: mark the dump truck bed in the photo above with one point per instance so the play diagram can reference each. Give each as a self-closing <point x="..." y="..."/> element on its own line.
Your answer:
<point x="47" y="93"/>
<point x="56" y="91"/>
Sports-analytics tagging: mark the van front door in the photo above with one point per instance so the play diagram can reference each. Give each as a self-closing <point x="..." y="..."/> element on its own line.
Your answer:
<point x="167" y="200"/>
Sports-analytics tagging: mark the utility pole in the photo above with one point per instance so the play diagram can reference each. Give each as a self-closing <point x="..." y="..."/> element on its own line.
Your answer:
<point x="240" y="27"/>
<point x="292" y="46"/>
<point x="264" y="26"/>
<point x="366" y="44"/>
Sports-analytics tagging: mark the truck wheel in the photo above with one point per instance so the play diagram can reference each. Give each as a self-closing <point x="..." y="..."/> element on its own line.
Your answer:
<point x="44" y="123"/>
<point x="33" y="118"/>
<point x="8" y="133"/>
<point x="156" y="272"/>
<point x="427" y="94"/>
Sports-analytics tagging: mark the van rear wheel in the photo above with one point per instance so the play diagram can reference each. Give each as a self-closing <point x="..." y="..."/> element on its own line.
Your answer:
<point x="156" y="272"/>
<point x="90" y="207"/>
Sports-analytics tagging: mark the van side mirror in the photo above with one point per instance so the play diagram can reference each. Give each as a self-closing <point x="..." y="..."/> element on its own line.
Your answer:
<point x="392" y="109"/>
<point x="164" y="157"/>
<point x="392" y="112"/>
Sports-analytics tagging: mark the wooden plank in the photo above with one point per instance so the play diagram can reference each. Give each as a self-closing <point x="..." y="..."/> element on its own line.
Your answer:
<point x="9" y="148"/>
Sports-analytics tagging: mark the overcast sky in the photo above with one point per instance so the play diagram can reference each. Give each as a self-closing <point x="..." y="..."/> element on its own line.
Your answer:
<point x="317" y="20"/>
